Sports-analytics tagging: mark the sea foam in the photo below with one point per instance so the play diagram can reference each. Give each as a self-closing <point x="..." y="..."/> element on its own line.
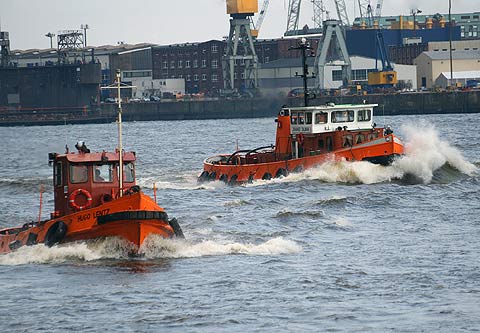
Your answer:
<point x="154" y="247"/>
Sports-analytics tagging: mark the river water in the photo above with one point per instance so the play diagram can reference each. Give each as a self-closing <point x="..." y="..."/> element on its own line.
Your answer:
<point x="343" y="247"/>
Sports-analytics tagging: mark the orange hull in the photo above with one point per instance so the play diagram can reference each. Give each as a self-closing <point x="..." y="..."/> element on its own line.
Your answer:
<point x="381" y="150"/>
<point x="132" y="217"/>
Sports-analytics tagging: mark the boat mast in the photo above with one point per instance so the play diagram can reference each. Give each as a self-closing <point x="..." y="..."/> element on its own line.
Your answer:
<point x="120" y="145"/>
<point x="303" y="46"/>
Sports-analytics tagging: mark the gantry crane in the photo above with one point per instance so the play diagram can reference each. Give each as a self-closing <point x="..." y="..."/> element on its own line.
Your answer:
<point x="332" y="51"/>
<point x="387" y="76"/>
<point x="319" y="10"/>
<point x="366" y="11"/>
<point x="294" y="7"/>
<point x="261" y="17"/>
<point x="240" y="47"/>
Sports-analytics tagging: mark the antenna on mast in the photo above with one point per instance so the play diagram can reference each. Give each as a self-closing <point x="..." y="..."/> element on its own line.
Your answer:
<point x="118" y="85"/>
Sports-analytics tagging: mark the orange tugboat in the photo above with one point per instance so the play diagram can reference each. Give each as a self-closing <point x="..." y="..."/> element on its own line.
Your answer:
<point x="94" y="198"/>
<point x="306" y="137"/>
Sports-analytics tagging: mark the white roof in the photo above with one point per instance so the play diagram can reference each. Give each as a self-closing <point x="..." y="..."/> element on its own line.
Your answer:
<point x="462" y="75"/>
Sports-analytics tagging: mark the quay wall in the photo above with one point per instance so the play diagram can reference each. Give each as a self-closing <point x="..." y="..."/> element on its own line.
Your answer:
<point x="389" y="104"/>
<point x="207" y="109"/>
<point x="412" y="103"/>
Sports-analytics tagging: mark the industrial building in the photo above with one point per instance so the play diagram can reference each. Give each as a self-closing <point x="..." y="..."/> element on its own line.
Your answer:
<point x="280" y="75"/>
<point x="468" y="23"/>
<point x="201" y="66"/>
<point x="431" y="64"/>
<point x="362" y="42"/>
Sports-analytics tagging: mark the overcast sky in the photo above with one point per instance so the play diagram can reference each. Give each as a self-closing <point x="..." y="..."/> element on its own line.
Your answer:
<point x="167" y="22"/>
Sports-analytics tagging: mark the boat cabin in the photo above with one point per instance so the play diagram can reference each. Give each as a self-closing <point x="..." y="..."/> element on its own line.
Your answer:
<point x="83" y="179"/>
<point x="314" y="130"/>
<point x="330" y="117"/>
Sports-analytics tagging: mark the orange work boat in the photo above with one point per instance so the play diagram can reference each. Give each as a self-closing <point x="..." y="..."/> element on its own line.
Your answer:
<point x="89" y="204"/>
<point x="308" y="136"/>
<point x="94" y="198"/>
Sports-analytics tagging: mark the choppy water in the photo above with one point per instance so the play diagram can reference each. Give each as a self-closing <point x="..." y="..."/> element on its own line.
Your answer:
<point x="343" y="247"/>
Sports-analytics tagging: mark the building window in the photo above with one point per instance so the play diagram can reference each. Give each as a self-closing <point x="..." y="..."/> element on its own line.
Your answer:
<point x="204" y="63"/>
<point x="172" y="64"/>
<point x="214" y="63"/>
<point x="214" y="48"/>
<point x="180" y="64"/>
<point x="267" y="59"/>
<point x="195" y="77"/>
<point x="188" y="77"/>
<point x="243" y="75"/>
<point x="337" y="75"/>
<point x="359" y="74"/>
<point x="214" y="78"/>
<point x="187" y="63"/>
<point x="195" y="63"/>
<point x="235" y="75"/>
<point x="204" y="77"/>
<point x="165" y="64"/>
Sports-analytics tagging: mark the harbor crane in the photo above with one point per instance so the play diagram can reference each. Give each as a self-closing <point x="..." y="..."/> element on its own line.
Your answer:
<point x="319" y="10"/>
<point x="366" y="11"/>
<point x="261" y="17"/>
<point x="240" y="51"/>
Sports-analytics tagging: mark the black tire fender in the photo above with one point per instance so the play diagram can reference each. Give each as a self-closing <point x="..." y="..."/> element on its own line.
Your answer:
<point x="204" y="176"/>
<point x="55" y="234"/>
<point x="233" y="180"/>
<point x="176" y="228"/>
<point x="223" y="178"/>
<point x="281" y="172"/>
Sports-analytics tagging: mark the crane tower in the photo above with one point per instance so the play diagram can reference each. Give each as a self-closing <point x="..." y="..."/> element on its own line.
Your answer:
<point x="240" y="50"/>
<point x="319" y="12"/>
<point x="332" y="51"/>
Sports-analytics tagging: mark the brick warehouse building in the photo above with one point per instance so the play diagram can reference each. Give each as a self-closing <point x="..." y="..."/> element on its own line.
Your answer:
<point x="200" y="64"/>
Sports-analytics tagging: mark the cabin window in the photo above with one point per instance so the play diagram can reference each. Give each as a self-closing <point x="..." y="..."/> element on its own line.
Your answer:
<point x="321" y="118"/>
<point x="129" y="173"/>
<point x="347" y="140"/>
<point x="294" y="118"/>
<point x="301" y="118"/>
<point x="103" y="173"/>
<point x="364" y="115"/>
<point x="308" y="118"/>
<point x="343" y="116"/>
<point x="359" y="138"/>
<point x="78" y="173"/>
<point x="58" y="176"/>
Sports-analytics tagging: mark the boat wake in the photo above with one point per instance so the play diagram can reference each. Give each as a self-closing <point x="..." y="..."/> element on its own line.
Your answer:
<point x="154" y="247"/>
<point x="428" y="159"/>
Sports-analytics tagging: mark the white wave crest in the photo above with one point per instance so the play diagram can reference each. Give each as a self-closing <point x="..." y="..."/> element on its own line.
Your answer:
<point x="157" y="247"/>
<point x="153" y="247"/>
<point x="425" y="153"/>
<point x="343" y="223"/>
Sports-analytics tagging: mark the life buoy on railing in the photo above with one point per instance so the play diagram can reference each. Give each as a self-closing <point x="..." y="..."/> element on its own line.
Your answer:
<point x="75" y="194"/>
<point x="300" y="138"/>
